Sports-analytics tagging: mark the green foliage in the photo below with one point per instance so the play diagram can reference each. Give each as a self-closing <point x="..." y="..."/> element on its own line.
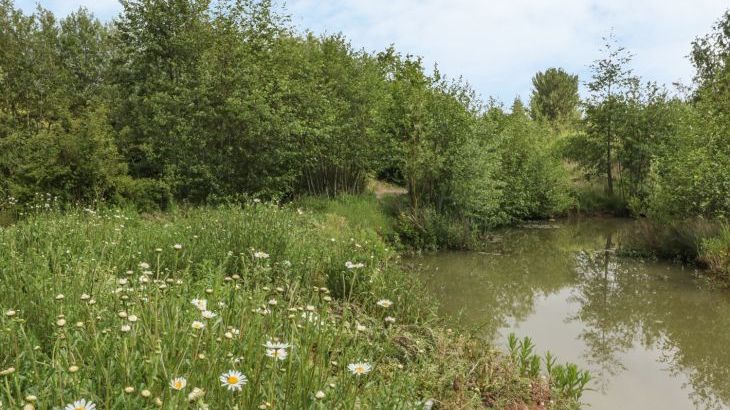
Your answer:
<point x="145" y="194"/>
<point x="715" y="252"/>
<point x="566" y="379"/>
<point x="533" y="180"/>
<point x="555" y="98"/>
<point x="680" y="240"/>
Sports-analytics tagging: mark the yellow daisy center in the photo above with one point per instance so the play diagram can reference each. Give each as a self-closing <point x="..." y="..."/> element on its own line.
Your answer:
<point x="80" y="408"/>
<point x="359" y="369"/>
<point x="178" y="384"/>
<point x="232" y="380"/>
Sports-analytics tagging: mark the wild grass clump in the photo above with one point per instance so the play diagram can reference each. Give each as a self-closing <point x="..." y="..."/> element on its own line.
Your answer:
<point x="715" y="252"/>
<point x="681" y="240"/>
<point x="592" y="199"/>
<point x="225" y="308"/>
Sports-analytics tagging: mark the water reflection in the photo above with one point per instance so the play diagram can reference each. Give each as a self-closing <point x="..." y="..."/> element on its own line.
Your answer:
<point x="646" y="330"/>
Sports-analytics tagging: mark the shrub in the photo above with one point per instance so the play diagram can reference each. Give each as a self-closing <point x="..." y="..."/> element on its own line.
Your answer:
<point x="715" y="252"/>
<point x="145" y="194"/>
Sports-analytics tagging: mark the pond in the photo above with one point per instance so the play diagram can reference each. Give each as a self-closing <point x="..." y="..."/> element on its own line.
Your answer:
<point x="652" y="334"/>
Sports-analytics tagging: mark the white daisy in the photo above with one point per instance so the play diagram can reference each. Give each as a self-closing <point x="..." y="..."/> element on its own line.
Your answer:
<point x="178" y="383"/>
<point x="358" y="369"/>
<point x="276" y="345"/>
<point x="201" y="304"/>
<point x="197" y="325"/>
<point x="278" y="354"/>
<point x="81" y="405"/>
<point x="386" y="303"/>
<point x="207" y="314"/>
<point x="261" y="255"/>
<point x="233" y="380"/>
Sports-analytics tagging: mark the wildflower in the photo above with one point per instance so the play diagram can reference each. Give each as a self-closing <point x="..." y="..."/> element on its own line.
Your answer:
<point x="73" y="369"/>
<point x="279" y="354"/>
<point x="386" y="303"/>
<point x="144" y="265"/>
<point x="261" y="255"/>
<point x="122" y="281"/>
<point x="158" y="250"/>
<point x="389" y="319"/>
<point x="85" y="296"/>
<point x="276" y="345"/>
<point x="177" y="246"/>
<point x="276" y="350"/>
<point x="273" y="302"/>
<point x="158" y="402"/>
<point x="129" y="389"/>
<point x="207" y="314"/>
<point x="361" y="328"/>
<point x="351" y="265"/>
<point x="178" y="383"/>
<point x="125" y="328"/>
<point x="201" y="304"/>
<point x="31" y="398"/>
<point x="122" y="314"/>
<point x="10" y="313"/>
<point x="233" y="380"/>
<point x="327" y="299"/>
<point x="228" y="335"/>
<point x="319" y="394"/>
<point x="132" y="318"/>
<point x="310" y="316"/>
<point x="145" y="393"/>
<point x="60" y="296"/>
<point x="196" y="394"/>
<point x="198" y="325"/>
<point x="61" y="322"/>
<point x="81" y="405"/>
<point x="359" y="369"/>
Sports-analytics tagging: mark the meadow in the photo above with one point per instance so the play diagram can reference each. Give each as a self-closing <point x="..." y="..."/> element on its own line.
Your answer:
<point x="260" y="306"/>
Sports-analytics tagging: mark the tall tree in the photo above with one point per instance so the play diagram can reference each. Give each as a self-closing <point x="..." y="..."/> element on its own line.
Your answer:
<point x="610" y="80"/>
<point x="555" y="97"/>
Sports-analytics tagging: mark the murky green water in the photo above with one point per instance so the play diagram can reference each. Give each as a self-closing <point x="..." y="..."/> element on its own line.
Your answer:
<point x="652" y="335"/>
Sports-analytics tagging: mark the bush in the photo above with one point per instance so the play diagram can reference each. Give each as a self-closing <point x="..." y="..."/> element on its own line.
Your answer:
<point x="534" y="181"/>
<point x="427" y="230"/>
<point x="146" y="195"/>
<point x="680" y="240"/>
<point x="715" y="252"/>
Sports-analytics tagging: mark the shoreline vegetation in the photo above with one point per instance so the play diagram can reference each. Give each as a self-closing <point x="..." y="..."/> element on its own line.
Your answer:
<point x="306" y="308"/>
<point x="186" y="217"/>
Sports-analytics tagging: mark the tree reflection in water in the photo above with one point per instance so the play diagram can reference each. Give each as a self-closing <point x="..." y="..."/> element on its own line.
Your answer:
<point x="619" y="304"/>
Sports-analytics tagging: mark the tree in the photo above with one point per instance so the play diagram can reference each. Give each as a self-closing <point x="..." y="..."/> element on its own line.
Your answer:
<point x="610" y="80"/>
<point x="555" y="97"/>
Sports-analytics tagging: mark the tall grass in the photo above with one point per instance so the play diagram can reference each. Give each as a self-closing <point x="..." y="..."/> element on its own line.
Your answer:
<point x="99" y="306"/>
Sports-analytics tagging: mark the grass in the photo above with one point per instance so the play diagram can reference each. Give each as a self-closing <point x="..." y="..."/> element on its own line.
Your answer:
<point x="98" y="306"/>
<point x="705" y="243"/>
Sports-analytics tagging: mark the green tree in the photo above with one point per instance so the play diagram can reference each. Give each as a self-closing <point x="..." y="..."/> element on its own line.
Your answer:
<point x="609" y="83"/>
<point x="555" y="97"/>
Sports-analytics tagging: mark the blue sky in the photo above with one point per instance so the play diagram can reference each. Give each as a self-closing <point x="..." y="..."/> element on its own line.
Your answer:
<point x="498" y="45"/>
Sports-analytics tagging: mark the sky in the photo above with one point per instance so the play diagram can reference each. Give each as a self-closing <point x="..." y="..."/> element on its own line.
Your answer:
<point x="498" y="45"/>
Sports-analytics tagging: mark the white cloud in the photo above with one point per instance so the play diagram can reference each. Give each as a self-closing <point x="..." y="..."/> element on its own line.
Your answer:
<point x="499" y="45"/>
